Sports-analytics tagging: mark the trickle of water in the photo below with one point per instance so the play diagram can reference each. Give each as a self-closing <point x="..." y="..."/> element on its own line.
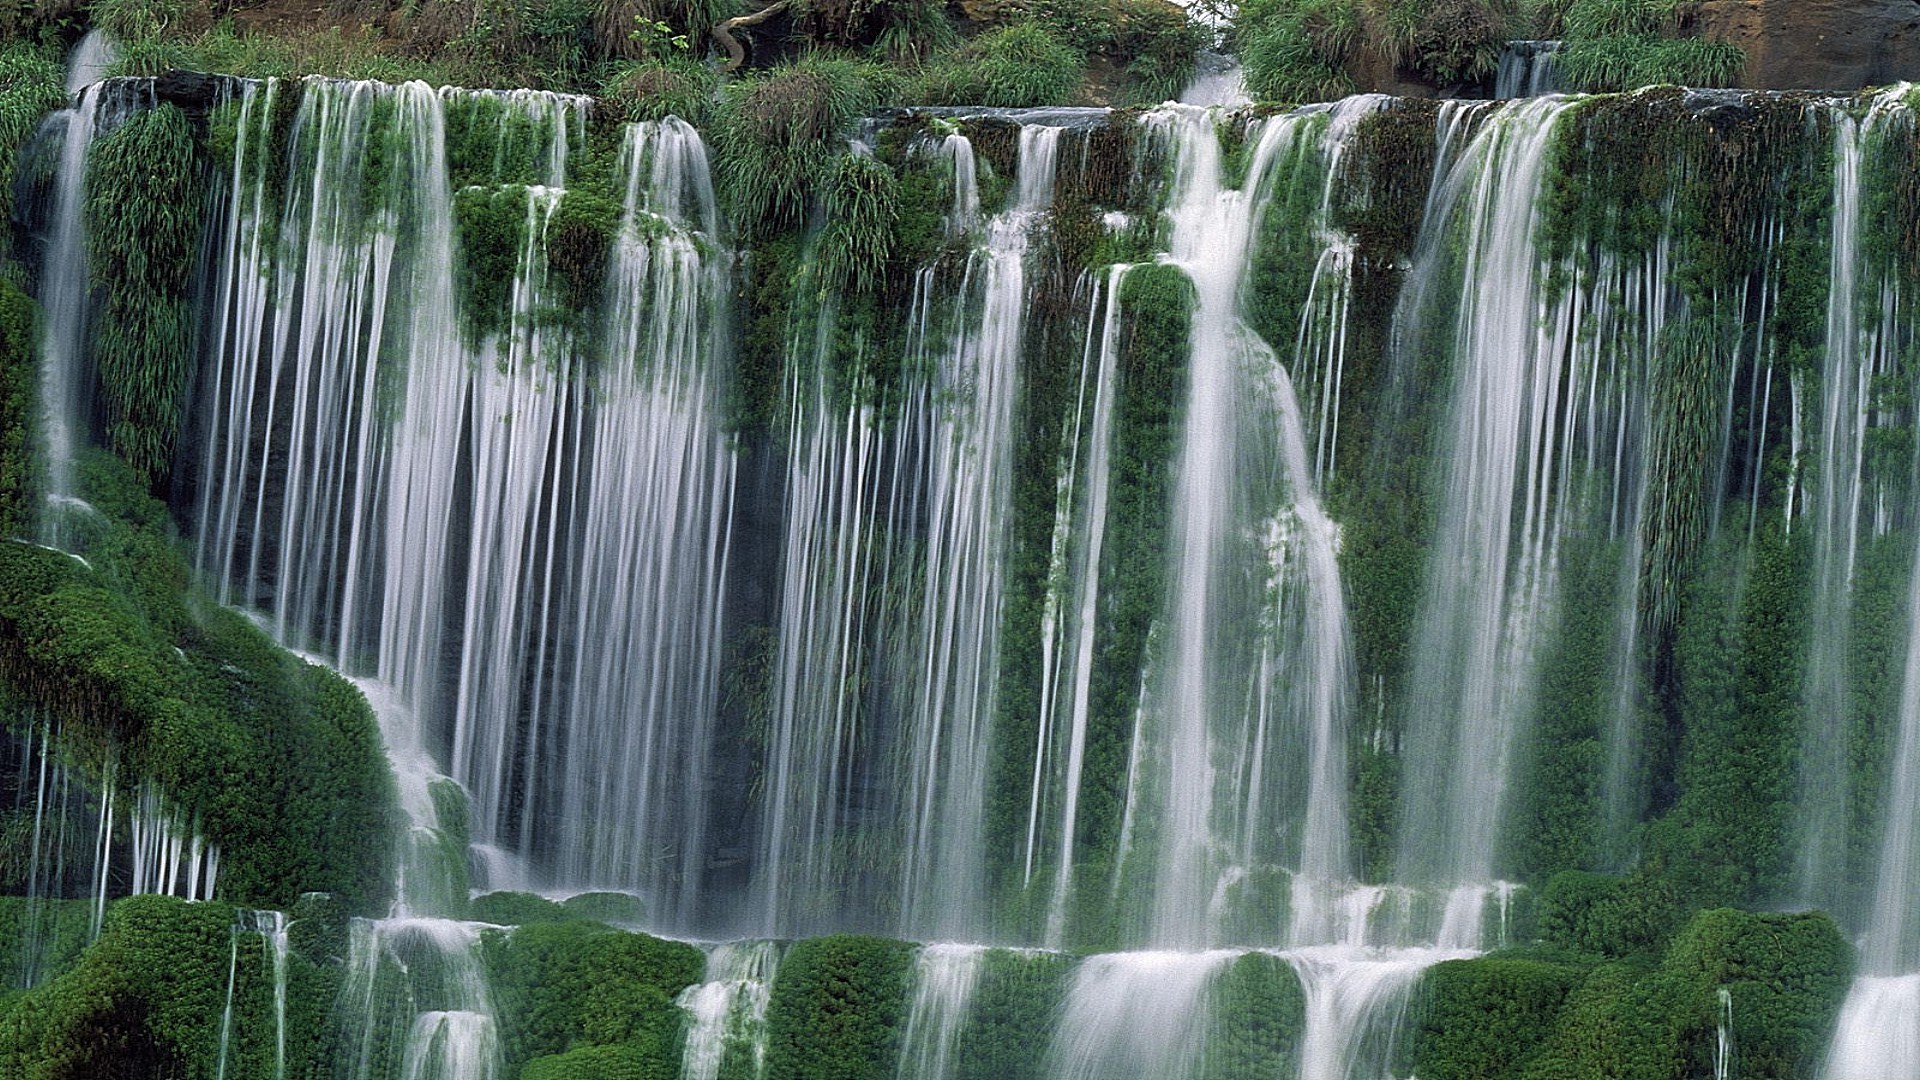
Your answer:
<point x="727" y="1011"/>
<point x="944" y="978"/>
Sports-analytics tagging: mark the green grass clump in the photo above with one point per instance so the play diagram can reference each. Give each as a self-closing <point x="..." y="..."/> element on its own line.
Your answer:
<point x="863" y="206"/>
<point x="657" y="89"/>
<point x="492" y="227"/>
<point x="1025" y="65"/>
<point x="145" y="204"/>
<point x="32" y="83"/>
<point x="1294" y="50"/>
<point x="776" y="136"/>
<point x="1625" y="63"/>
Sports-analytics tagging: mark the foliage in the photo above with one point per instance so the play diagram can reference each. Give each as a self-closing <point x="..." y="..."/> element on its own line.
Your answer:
<point x="1024" y="65"/>
<point x="561" y="986"/>
<point x="32" y="83"/>
<point x="144" y="206"/>
<point x="579" y="242"/>
<point x="862" y="209"/>
<point x="18" y="404"/>
<point x="774" y="137"/>
<point x="657" y="89"/>
<point x="1623" y="63"/>
<point x="1306" y="50"/>
<point x="279" y="760"/>
<point x="1294" y="50"/>
<point x="838" y="1007"/>
<point x="1486" y="1016"/>
<point x="1624" y="1020"/>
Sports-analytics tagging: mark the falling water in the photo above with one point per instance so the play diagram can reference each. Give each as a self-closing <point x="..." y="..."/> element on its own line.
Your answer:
<point x="1355" y="1003"/>
<point x="857" y="488"/>
<point x="727" y="1012"/>
<point x="1135" y="1016"/>
<point x="1723" y="1036"/>
<point x="944" y="978"/>
<point x="1527" y="69"/>
<point x="1493" y="581"/>
<point x="64" y="305"/>
<point x="1846" y="506"/>
<point x="417" y="986"/>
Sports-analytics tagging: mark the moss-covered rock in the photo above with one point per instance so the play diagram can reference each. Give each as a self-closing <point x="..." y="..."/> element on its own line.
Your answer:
<point x="838" y="1008"/>
<point x="1487" y="1016"/>
<point x="562" y="986"/>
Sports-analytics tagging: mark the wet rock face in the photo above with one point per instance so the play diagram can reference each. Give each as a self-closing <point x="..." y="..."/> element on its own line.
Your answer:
<point x="1818" y="44"/>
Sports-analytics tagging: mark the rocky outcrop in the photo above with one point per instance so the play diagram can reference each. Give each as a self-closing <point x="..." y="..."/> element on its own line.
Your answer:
<point x="1817" y="44"/>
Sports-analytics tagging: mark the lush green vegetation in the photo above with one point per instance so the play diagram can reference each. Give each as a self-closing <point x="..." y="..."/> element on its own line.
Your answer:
<point x="575" y="996"/>
<point x="838" y="1009"/>
<point x="1623" y="44"/>
<point x="145" y="205"/>
<point x="32" y="83"/>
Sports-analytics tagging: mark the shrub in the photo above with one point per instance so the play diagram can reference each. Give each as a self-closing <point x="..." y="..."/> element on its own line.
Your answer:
<point x="1604" y="915"/>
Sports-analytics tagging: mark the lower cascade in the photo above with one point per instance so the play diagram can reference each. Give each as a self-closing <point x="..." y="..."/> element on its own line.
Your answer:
<point x="492" y="589"/>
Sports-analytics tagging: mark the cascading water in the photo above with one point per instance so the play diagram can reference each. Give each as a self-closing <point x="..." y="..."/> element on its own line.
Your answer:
<point x="857" y="489"/>
<point x="944" y="978"/>
<point x="1135" y="1016"/>
<point x="1877" y="1036"/>
<point x="727" y="1012"/>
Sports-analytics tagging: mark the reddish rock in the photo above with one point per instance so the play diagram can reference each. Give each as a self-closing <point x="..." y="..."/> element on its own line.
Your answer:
<point x="1817" y="44"/>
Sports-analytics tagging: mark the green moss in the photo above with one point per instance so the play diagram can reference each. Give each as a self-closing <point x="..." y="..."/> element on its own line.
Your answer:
<point x="608" y="907"/>
<point x="838" y="1008"/>
<point x="603" y="1063"/>
<point x="1787" y="975"/>
<point x="562" y="986"/>
<point x="18" y="406"/>
<point x="579" y="243"/>
<point x="492" y="228"/>
<point x="1485" y="1017"/>
<point x="279" y="760"/>
<point x="1607" y="915"/>
<point x="1259" y="1017"/>
<point x="145" y="204"/>
<point x="1011" y="1016"/>
<point x="1624" y="1020"/>
<point x="518" y="909"/>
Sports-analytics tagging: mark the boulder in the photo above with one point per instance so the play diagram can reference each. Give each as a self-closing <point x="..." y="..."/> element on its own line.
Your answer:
<point x="1817" y="44"/>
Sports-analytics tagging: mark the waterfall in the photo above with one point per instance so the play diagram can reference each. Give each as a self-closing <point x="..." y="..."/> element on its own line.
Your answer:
<point x="893" y="564"/>
<point x="418" y="986"/>
<point x="1527" y="69"/>
<point x="1494" y="562"/>
<point x="1242" y="407"/>
<point x="944" y="977"/>
<point x="64" y="299"/>
<point x="1847" y="508"/>
<point x="727" y="1012"/>
<point x="1135" y="1016"/>
<point x="1069" y="621"/>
